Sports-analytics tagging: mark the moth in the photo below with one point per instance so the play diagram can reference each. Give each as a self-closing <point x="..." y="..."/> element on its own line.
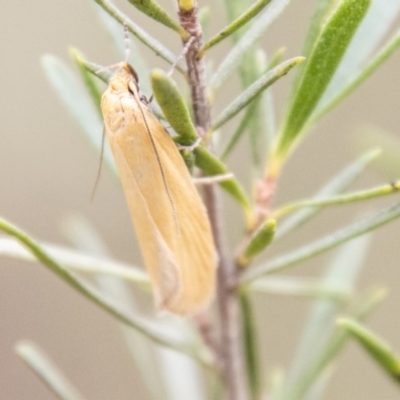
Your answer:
<point x="169" y="218"/>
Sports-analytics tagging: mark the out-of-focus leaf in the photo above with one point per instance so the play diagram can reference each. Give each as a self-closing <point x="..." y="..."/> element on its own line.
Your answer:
<point x="77" y="261"/>
<point x="78" y="102"/>
<point x="329" y="352"/>
<point x="340" y="274"/>
<point x="299" y="287"/>
<point x="252" y="35"/>
<point x="55" y="380"/>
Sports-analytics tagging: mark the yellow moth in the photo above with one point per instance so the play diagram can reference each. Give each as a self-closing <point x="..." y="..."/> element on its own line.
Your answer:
<point x="169" y="217"/>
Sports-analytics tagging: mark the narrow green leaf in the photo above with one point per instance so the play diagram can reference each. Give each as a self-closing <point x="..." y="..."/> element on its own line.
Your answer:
<point x="91" y="83"/>
<point x="372" y="30"/>
<point x="174" y="107"/>
<point x="255" y="90"/>
<point x="360" y="195"/>
<point x="324" y="244"/>
<point x="251" y="351"/>
<point x="77" y="261"/>
<point x="330" y="351"/>
<point x="355" y="81"/>
<point x="342" y="273"/>
<point x="211" y="166"/>
<point x="258" y="241"/>
<point x="142" y="35"/>
<point x="321" y="65"/>
<point x="323" y="9"/>
<point x="44" y="368"/>
<point x="299" y="287"/>
<point x="234" y="26"/>
<point x="152" y="9"/>
<point x="141" y="325"/>
<point x="78" y="102"/>
<point x="254" y="33"/>
<point x="380" y="351"/>
<point x="339" y="183"/>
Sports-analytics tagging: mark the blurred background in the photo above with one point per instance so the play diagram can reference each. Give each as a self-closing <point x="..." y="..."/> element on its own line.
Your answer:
<point x="47" y="172"/>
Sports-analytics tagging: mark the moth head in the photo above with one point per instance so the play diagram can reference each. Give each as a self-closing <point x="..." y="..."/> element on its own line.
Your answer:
<point x="124" y="78"/>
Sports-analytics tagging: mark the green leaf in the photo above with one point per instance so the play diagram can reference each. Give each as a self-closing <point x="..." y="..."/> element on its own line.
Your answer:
<point x="152" y="9"/>
<point x="255" y="90"/>
<point x="336" y="185"/>
<point x="234" y="26"/>
<point x="372" y="30"/>
<point x="78" y="102"/>
<point x="174" y="107"/>
<point x="258" y="241"/>
<point x="324" y="244"/>
<point x="144" y="327"/>
<point x="141" y="35"/>
<point x="254" y="33"/>
<point x="55" y="380"/>
<point x="211" y="166"/>
<point x="321" y="65"/>
<point x="323" y="9"/>
<point x="375" y="346"/>
<point x="356" y="80"/>
<point x="360" y="195"/>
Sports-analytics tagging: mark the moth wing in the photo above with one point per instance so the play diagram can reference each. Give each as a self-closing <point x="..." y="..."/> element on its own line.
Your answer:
<point x="170" y="220"/>
<point x="194" y="247"/>
<point x="159" y="259"/>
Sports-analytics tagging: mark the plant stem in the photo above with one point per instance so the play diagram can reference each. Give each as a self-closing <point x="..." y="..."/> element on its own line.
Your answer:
<point x="231" y="355"/>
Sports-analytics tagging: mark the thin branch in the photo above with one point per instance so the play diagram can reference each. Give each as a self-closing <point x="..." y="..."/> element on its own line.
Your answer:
<point x="231" y="355"/>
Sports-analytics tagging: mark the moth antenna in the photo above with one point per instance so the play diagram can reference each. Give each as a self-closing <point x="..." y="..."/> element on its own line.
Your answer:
<point x="127" y="43"/>
<point x="100" y="165"/>
<point x="179" y="58"/>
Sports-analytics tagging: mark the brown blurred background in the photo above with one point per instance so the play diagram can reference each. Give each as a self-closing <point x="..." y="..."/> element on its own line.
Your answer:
<point x="47" y="171"/>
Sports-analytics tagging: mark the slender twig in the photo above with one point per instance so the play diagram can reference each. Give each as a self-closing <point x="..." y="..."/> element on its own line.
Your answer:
<point x="231" y="358"/>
